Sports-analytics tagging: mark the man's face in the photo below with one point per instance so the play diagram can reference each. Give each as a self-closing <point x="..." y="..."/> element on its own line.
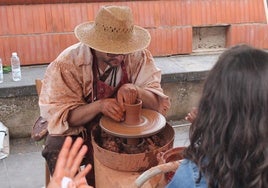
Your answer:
<point x="113" y="60"/>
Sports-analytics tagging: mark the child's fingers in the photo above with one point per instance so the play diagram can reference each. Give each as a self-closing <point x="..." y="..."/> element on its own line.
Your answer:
<point x="78" y="159"/>
<point x="80" y="177"/>
<point x="73" y="152"/>
<point x="63" y="155"/>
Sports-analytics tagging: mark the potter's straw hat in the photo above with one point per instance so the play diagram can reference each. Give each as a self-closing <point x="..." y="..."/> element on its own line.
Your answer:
<point x="113" y="32"/>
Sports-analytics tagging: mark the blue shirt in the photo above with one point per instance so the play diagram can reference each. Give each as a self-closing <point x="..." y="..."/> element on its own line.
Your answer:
<point x="186" y="176"/>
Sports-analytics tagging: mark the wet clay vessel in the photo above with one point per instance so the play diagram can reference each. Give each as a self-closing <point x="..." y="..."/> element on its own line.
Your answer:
<point x="133" y="114"/>
<point x="138" y="122"/>
<point x="120" y="169"/>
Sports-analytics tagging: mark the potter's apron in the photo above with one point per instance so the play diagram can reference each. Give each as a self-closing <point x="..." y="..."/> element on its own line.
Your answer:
<point x="101" y="90"/>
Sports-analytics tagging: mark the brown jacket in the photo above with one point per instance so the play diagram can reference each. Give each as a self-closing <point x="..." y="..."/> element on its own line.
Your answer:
<point x="69" y="79"/>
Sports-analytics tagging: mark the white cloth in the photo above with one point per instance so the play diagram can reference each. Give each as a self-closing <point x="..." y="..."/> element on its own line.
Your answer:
<point x="4" y="141"/>
<point x="65" y="182"/>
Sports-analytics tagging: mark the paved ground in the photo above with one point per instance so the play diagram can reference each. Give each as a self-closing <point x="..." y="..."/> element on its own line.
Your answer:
<point x="24" y="167"/>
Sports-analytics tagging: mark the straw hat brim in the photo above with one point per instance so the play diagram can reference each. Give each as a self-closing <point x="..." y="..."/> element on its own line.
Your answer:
<point x="87" y="34"/>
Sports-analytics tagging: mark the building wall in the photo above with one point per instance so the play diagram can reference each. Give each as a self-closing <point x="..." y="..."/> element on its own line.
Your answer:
<point x="39" y="32"/>
<point x="19" y="113"/>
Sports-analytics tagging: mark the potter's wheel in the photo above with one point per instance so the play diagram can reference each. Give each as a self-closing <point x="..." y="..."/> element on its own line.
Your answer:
<point x="151" y="122"/>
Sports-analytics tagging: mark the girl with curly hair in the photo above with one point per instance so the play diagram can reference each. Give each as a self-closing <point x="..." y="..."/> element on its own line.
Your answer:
<point x="229" y="136"/>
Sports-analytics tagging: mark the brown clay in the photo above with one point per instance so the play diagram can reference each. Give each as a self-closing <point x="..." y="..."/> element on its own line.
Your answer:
<point x="133" y="113"/>
<point x="130" y="162"/>
<point x="109" y="178"/>
<point x="142" y="127"/>
<point x="161" y="174"/>
<point x="170" y="155"/>
<point x="173" y="154"/>
<point x="138" y="122"/>
<point x="152" y="123"/>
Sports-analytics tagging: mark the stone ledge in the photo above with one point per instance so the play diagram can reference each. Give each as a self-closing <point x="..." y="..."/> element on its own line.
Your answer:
<point x="25" y="87"/>
<point x="174" y="69"/>
<point x="182" y="78"/>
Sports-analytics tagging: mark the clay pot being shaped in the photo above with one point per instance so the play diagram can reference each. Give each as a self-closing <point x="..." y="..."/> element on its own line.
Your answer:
<point x="133" y="113"/>
<point x="138" y="122"/>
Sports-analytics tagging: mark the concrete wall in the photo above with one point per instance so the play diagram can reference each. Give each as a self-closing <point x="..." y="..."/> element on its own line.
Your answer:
<point x="184" y="96"/>
<point x="19" y="113"/>
<point x="182" y="80"/>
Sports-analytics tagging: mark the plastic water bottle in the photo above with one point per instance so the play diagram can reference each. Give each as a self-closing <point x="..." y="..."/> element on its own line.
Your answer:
<point x="15" y="65"/>
<point x="1" y="71"/>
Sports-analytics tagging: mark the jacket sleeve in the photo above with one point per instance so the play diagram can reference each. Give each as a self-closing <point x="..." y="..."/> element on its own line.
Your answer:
<point x="63" y="89"/>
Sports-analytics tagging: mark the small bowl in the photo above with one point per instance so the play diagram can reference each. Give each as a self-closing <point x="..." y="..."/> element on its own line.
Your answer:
<point x="170" y="155"/>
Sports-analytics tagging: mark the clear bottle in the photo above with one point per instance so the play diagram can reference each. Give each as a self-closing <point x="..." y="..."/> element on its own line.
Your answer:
<point x="15" y="65"/>
<point x="1" y="71"/>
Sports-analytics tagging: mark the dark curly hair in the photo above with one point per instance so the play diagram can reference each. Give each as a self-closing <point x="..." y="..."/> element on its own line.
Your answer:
<point x="229" y="137"/>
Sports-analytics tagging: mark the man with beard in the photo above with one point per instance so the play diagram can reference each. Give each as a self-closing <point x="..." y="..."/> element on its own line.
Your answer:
<point x="108" y="67"/>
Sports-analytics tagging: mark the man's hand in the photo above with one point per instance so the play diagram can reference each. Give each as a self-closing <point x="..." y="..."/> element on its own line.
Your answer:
<point x="111" y="108"/>
<point x="128" y="94"/>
